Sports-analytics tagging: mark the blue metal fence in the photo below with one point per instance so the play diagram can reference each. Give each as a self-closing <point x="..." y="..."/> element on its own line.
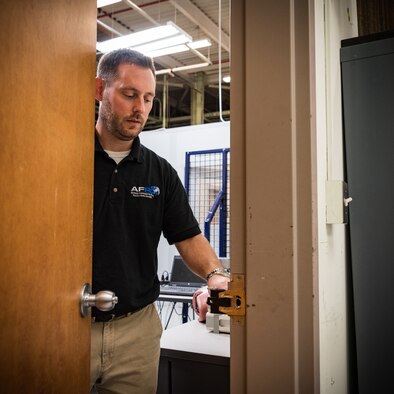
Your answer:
<point x="207" y="184"/>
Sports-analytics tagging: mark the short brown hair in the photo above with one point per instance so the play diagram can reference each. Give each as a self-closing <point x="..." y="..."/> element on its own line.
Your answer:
<point x="108" y="64"/>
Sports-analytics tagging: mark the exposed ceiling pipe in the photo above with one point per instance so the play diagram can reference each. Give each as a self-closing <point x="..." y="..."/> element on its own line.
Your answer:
<point x="141" y="11"/>
<point x="220" y="62"/>
<point x="219" y="87"/>
<point x="187" y="8"/>
<point x="108" y="28"/>
<point x="200" y="55"/>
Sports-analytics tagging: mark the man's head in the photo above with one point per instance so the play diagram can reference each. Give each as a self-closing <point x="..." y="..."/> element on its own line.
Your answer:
<point x="125" y="87"/>
<point x="107" y="67"/>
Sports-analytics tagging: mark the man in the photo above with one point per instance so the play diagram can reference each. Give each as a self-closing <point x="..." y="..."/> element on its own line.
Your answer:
<point x="137" y="196"/>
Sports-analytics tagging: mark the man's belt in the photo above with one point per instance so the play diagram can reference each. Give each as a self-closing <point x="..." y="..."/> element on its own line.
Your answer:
<point x="112" y="317"/>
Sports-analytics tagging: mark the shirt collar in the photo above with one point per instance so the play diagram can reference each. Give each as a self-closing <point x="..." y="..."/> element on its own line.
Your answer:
<point x="135" y="153"/>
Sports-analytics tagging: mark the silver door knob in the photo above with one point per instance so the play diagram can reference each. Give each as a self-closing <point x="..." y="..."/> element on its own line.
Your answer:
<point x="104" y="300"/>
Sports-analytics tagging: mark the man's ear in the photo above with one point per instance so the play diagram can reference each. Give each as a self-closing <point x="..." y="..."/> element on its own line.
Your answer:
<point x="99" y="88"/>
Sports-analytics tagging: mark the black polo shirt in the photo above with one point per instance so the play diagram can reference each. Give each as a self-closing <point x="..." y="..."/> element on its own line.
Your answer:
<point x="134" y="202"/>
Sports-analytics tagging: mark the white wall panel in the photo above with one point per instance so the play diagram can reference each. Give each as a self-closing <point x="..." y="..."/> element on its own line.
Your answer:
<point x="172" y="144"/>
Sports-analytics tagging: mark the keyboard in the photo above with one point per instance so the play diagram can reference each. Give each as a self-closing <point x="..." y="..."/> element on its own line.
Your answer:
<point x="168" y="289"/>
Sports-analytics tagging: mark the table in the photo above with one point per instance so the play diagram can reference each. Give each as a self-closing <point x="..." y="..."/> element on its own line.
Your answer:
<point x="186" y="301"/>
<point x="194" y="360"/>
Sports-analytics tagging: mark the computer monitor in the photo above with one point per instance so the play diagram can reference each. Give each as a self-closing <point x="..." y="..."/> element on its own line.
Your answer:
<point x="181" y="273"/>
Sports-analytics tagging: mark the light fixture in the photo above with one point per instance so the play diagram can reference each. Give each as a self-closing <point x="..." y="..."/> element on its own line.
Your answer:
<point x="200" y="44"/>
<point x="176" y="48"/>
<point x="181" y="68"/>
<point x="163" y="71"/>
<point x="162" y="44"/>
<point x="155" y="36"/>
<point x="167" y="51"/>
<point x="191" y="66"/>
<point x="157" y="41"/>
<point x="104" y="3"/>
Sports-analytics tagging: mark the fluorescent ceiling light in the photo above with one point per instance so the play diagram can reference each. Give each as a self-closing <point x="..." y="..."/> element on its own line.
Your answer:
<point x="162" y="44"/>
<point x="104" y="3"/>
<point x="200" y="44"/>
<point x="163" y="71"/>
<point x="191" y="66"/>
<point x="155" y="42"/>
<point x="167" y="51"/>
<point x="181" y="68"/>
<point x="155" y="34"/>
<point x="177" y="48"/>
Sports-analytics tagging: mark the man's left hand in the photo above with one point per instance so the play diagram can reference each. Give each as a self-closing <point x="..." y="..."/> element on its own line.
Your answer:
<point x="200" y="297"/>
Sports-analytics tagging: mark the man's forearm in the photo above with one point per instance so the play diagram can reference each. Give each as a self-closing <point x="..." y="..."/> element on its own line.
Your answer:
<point x="199" y="255"/>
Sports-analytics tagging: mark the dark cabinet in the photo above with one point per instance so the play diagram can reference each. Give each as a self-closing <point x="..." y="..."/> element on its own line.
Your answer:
<point x="194" y="360"/>
<point x="367" y="66"/>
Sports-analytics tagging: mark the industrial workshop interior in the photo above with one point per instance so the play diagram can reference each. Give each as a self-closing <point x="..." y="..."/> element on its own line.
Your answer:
<point x="278" y="118"/>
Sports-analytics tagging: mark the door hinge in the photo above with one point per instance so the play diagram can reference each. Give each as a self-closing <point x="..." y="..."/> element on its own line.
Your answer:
<point x="337" y="202"/>
<point x="232" y="301"/>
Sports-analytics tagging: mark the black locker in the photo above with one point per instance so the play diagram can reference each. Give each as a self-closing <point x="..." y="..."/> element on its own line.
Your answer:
<point x="367" y="66"/>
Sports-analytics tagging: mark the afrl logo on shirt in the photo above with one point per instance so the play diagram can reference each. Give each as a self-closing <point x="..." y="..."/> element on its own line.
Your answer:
<point x="145" y="191"/>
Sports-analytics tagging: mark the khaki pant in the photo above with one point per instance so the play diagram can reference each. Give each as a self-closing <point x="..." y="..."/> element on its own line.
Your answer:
<point x="125" y="353"/>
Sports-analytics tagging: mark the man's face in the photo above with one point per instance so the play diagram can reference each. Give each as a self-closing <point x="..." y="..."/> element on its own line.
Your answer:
<point x="127" y="101"/>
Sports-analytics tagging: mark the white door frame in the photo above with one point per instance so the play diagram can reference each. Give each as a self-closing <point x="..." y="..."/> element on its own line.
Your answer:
<point x="273" y="204"/>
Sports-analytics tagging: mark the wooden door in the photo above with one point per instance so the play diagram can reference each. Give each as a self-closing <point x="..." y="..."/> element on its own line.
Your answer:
<point x="47" y="68"/>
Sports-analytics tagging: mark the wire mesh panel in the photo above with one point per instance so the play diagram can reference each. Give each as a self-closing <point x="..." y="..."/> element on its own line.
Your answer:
<point x="208" y="185"/>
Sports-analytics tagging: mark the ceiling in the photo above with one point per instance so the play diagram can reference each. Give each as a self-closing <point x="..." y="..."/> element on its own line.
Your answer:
<point x="183" y="97"/>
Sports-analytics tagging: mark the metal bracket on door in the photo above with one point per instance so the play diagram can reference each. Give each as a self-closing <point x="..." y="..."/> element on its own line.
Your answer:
<point x="232" y="301"/>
